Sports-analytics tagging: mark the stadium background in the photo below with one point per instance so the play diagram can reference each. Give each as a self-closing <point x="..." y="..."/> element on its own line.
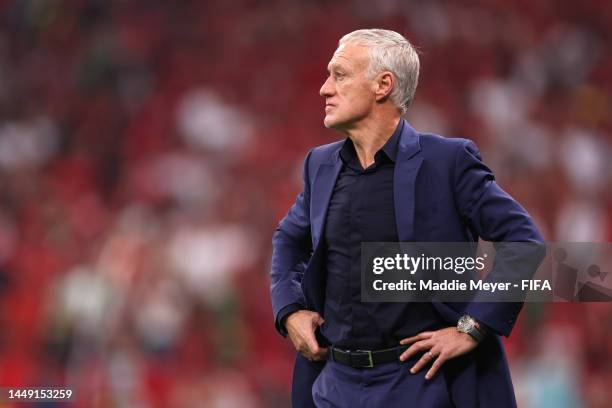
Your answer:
<point x="148" y="149"/>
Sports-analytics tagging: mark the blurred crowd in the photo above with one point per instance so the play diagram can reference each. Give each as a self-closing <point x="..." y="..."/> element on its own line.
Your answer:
<point x="149" y="148"/>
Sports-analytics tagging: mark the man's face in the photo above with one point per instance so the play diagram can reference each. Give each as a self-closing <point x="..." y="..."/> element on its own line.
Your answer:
<point x="349" y="94"/>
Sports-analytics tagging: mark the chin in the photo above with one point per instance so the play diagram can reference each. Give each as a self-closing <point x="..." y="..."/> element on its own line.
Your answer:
<point x="331" y="122"/>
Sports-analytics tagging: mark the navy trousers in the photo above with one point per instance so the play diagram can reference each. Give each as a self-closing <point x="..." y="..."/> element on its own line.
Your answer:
<point x="388" y="385"/>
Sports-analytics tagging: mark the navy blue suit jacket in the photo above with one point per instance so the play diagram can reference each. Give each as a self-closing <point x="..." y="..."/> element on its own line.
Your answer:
<point x="443" y="193"/>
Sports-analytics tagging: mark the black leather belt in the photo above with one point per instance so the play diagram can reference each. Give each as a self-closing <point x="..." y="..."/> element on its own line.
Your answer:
<point x="366" y="358"/>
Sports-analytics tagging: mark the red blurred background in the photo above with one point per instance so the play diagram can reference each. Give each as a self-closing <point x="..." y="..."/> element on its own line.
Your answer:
<point x="148" y="149"/>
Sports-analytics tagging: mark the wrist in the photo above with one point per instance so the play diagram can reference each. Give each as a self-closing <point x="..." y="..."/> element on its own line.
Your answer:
<point x="292" y="318"/>
<point x="481" y="328"/>
<point x="282" y="317"/>
<point x="285" y="320"/>
<point x="468" y="325"/>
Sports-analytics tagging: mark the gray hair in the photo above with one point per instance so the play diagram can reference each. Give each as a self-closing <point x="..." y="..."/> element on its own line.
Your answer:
<point x="390" y="51"/>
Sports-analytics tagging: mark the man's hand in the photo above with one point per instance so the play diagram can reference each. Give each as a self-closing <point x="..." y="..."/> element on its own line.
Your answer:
<point x="440" y="346"/>
<point x="301" y="326"/>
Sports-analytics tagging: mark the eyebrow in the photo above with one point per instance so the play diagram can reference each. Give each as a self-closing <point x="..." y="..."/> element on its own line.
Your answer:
<point x="333" y="66"/>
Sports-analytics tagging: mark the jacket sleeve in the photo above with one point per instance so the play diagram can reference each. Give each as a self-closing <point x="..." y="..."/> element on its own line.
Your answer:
<point x="291" y="250"/>
<point x="496" y="217"/>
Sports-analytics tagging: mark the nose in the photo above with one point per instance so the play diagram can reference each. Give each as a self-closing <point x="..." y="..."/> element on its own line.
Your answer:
<point x="327" y="88"/>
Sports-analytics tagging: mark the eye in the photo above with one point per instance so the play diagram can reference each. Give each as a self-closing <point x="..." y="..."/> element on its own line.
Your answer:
<point x="339" y="76"/>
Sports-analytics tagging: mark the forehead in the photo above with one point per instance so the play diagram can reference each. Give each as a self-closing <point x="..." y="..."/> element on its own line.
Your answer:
<point x="349" y="55"/>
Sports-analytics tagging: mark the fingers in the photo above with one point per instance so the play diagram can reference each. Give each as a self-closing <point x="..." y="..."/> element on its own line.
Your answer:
<point x="310" y="347"/>
<point x="427" y="357"/>
<point x="437" y="350"/>
<point x="311" y="342"/>
<point x="320" y="355"/>
<point x="441" y="359"/>
<point x="420" y="336"/>
<point x="415" y="348"/>
<point x="301" y="327"/>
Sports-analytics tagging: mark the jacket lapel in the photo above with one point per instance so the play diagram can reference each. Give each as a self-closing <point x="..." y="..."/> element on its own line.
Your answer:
<point x="406" y="170"/>
<point x="320" y="195"/>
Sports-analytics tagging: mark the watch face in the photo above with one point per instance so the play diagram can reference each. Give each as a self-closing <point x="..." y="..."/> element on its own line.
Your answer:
<point x="464" y="324"/>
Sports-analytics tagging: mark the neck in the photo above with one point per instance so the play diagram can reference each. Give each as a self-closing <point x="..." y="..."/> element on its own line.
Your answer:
<point x="370" y="134"/>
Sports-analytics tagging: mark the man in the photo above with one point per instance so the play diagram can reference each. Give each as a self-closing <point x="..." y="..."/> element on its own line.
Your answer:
<point x="388" y="183"/>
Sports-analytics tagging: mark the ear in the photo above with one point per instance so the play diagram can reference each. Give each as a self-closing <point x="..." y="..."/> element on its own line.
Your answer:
<point x="385" y="81"/>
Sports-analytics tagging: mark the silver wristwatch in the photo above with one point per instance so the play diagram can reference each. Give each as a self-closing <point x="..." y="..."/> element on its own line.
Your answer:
<point x="468" y="325"/>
